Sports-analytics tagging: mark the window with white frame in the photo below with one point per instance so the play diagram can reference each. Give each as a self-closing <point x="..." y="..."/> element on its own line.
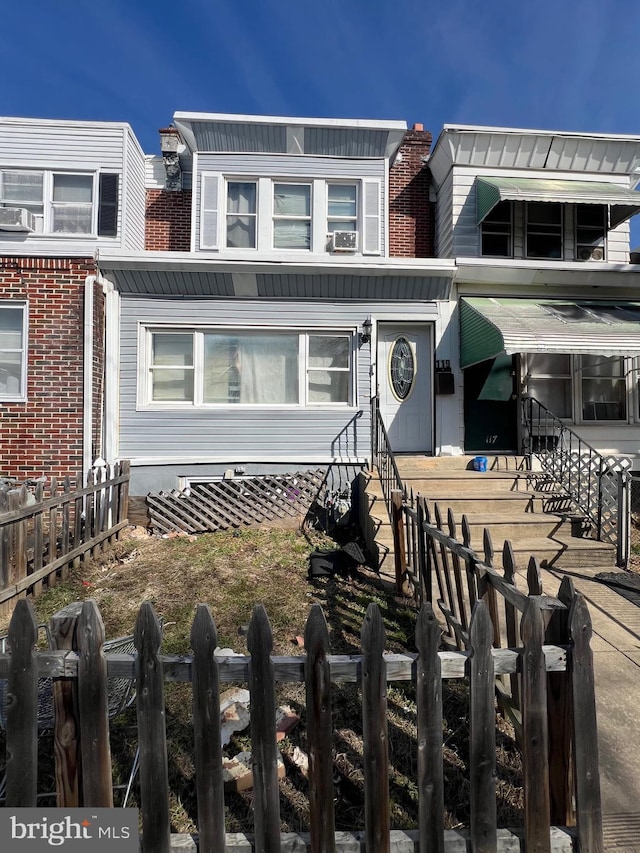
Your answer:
<point x="282" y="214"/>
<point x="13" y="351"/>
<point x="64" y="202"/>
<point x="291" y="216"/>
<point x="582" y="388"/>
<point x="241" y="214"/>
<point x="207" y="367"/>
<point x="342" y="207"/>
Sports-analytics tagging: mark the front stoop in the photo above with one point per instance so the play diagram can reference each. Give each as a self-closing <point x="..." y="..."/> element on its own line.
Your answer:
<point x="510" y="501"/>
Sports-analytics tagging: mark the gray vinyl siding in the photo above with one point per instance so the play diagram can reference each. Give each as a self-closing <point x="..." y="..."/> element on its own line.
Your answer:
<point x="132" y="209"/>
<point x="82" y="146"/>
<point x="290" y="167"/>
<point x="286" y="434"/>
<point x="444" y="219"/>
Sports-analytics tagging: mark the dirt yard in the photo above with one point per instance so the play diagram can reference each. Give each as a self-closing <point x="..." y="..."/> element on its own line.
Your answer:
<point x="231" y="572"/>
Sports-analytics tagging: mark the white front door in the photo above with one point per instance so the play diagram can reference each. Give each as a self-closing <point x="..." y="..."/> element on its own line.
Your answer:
<point x="405" y="385"/>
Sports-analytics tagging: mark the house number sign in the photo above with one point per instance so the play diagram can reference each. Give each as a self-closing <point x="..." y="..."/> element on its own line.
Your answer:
<point x="402" y="368"/>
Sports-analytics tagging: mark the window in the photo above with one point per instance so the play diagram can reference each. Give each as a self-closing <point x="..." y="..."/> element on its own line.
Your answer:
<point x="592" y="385"/>
<point x="292" y="216"/>
<point x="591" y="230"/>
<point x="544" y="230"/>
<point x="237" y="367"/>
<point x="63" y="202"/>
<point x="342" y="207"/>
<point x="241" y="214"/>
<point x="496" y="231"/>
<point x="604" y="388"/>
<point x="13" y="351"/>
<point x="549" y="381"/>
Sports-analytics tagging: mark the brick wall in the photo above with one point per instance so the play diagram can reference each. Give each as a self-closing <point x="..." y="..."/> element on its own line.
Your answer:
<point x="43" y="436"/>
<point x="168" y="221"/>
<point x="411" y="214"/>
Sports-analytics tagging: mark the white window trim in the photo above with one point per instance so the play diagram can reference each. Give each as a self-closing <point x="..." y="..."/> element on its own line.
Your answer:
<point x="21" y="395"/>
<point x="290" y="218"/>
<point x="144" y="371"/>
<point x="48" y="203"/>
<point x="630" y="365"/>
<point x="369" y="226"/>
<point x="242" y="179"/>
<point x="607" y="225"/>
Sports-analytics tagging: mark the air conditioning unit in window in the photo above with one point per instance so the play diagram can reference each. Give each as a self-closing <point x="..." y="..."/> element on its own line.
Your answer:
<point x="17" y="219"/>
<point x="344" y="241"/>
<point x="590" y="253"/>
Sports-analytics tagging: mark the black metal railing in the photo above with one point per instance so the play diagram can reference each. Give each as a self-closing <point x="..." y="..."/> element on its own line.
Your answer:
<point x="598" y="485"/>
<point x="382" y="456"/>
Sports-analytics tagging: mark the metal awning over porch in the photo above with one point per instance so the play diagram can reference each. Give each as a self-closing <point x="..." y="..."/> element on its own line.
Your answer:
<point x="622" y="202"/>
<point x="490" y="326"/>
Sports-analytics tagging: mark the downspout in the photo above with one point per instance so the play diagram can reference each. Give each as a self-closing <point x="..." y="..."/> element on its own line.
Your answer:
<point x="111" y="368"/>
<point x="88" y="377"/>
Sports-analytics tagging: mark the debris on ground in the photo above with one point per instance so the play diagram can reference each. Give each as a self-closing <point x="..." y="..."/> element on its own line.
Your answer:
<point x="238" y="775"/>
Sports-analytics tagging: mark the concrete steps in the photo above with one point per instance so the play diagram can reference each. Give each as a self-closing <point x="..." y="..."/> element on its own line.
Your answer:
<point x="513" y="503"/>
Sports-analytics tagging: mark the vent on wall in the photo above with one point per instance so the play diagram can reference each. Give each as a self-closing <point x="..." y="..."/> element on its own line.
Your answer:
<point x="17" y="219"/>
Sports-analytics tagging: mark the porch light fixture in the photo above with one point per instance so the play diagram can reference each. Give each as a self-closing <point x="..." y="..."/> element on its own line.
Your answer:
<point x="365" y="331"/>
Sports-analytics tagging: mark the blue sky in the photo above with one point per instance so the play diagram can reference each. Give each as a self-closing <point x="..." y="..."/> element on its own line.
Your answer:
<point x="553" y="64"/>
<point x="566" y="64"/>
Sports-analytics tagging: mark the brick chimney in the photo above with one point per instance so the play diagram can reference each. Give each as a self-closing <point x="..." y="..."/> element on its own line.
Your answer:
<point x="411" y="214"/>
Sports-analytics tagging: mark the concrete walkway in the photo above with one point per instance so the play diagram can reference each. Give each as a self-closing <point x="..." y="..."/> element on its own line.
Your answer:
<point x="616" y="652"/>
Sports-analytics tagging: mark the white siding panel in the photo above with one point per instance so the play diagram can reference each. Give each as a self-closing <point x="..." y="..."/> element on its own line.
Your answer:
<point x="99" y="146"/>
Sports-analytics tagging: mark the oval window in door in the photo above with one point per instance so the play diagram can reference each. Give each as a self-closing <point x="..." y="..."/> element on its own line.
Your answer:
<point x="402" y="368"/>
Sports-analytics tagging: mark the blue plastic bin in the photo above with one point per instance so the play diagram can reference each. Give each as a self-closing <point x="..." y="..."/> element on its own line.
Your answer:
<point x="480" y="463"/>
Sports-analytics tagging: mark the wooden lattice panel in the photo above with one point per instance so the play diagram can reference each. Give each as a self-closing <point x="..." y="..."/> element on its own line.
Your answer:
<point x="237" y="502"/>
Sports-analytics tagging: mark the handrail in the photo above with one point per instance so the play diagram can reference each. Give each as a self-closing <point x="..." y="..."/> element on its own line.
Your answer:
<point x="598" y="485"/>
<point x="382" y="455"/>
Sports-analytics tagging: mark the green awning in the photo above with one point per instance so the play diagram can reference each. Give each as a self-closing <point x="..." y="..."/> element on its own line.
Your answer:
<point x="622" y="202"/>
<point x="490" y="326"/>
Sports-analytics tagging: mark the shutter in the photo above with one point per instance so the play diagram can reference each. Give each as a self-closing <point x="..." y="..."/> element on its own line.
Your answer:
<point x="108" y="206"/>
<point x="371" y="218"/>
<point x="209" y="209"/>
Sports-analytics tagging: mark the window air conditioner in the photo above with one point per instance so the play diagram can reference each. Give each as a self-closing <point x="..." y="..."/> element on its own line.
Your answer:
<point x="17" y="219"/>
<point x="591" y="253"/>
<point x="344" y="241"/>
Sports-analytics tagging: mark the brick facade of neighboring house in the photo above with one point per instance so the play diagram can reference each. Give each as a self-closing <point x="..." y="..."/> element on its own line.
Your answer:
<point x="44" y="435"/>
<point x="411" y="214"/>
<point x="168" y="221"/>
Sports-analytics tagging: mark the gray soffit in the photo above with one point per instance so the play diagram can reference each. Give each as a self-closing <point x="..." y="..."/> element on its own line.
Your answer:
<point x="217" y="135"/>
<point x="187" y="283"/>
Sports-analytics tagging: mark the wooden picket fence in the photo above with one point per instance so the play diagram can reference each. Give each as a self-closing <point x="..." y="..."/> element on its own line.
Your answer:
<point x="44" y="531"/>
<point x="88" y="669"/>
<point x="438" y="565"/>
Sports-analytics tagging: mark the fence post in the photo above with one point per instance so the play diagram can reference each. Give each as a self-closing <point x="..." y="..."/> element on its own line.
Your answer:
<point x="152" y="735"/>
<point x="397" y="525"/>
<point x="585" y="731"/>
<point x="93" y="709"/>
<point x="319" y="732"/>
<point x="624" y="519"/>
<point x="266" y="799"/>
<point x="560" y="715"/>
<point x="482" y="734"/>
<point x="22" y="709"/>
<point x="425" y="564"/>
<point x="375" y="733"/>
<point x="206" y="732"/>
<point x="66" y="733"/>
<point x="18" y="562"/>
<point x="429" y="723"/>
<point x="5" y="539"/>
<point x="534" y="732"/>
